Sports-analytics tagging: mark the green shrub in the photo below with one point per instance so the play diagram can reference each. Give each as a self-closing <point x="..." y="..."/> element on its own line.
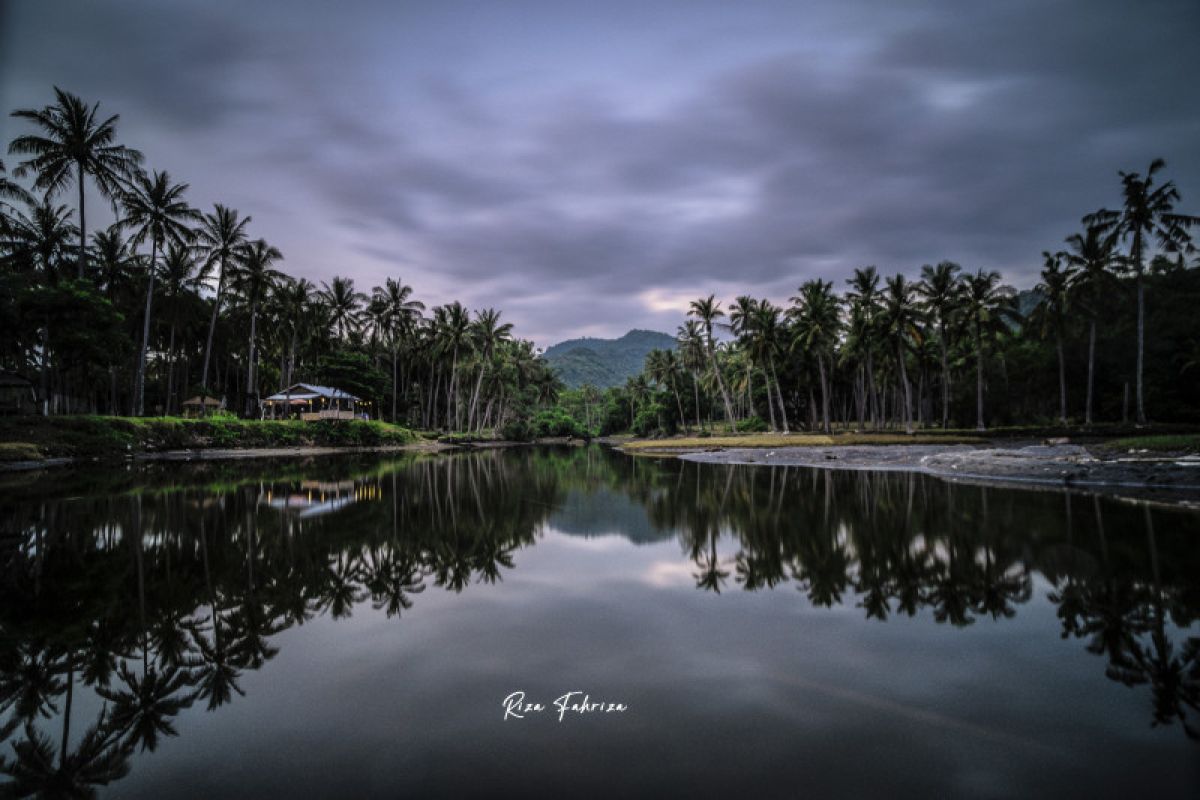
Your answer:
<point x="752" y="425"/>
<point x="517" y="430"/>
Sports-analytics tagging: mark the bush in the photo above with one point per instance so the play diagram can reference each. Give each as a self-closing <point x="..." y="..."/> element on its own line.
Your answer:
<point x="654" y="419"/>
<point x="752" y="425"/>
<point x="517" y="430"/>
<point x="557" y="422"/>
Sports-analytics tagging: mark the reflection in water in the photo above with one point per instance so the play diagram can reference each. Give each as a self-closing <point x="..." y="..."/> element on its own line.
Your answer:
<point x="159" y="589"/>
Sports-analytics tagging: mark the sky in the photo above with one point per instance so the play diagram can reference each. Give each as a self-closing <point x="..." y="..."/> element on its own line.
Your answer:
<point x="588" y="168"/>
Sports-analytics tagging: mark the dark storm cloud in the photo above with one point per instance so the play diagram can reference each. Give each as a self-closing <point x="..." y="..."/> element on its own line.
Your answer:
<point x="585" y="176"/>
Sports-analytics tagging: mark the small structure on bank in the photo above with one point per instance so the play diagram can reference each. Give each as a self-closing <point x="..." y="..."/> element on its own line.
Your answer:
<point x="201" y="406"/>
<point x="17" y="395"/>
<point x="310" y="402"/>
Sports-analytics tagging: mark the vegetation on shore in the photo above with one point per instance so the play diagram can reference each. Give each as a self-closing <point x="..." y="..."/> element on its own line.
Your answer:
<point x="33" y="438"/>
<point x="168" y="302"/>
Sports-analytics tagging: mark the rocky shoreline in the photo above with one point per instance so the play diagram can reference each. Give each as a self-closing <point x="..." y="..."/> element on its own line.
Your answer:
<point x="1168" y="478"/>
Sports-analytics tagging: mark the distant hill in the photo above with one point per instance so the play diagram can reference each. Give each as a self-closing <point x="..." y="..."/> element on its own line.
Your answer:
<point x="605" y="362"/>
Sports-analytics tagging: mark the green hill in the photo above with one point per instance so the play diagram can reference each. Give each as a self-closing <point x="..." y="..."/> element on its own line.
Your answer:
<point x="605" y="362"/>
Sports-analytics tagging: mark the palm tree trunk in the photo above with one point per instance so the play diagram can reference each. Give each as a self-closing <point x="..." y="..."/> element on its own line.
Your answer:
<point x="978" y="378"/>
<point x="872" y="395"/>
<point x="1087" y="414"/>
<point x="679" y="403"/>
<point x="1141" y="329"/>
<point x="212" y="326"/>
<point x="251" y="390"/>
<point x="945" y="379"/>
<point x="394" y="386"/>
<point x="824" y="392"/>
<point x="908" y="426"/>
<point x="139" y="386"/>
<point x="170" y="368"/>
<point x="82" y="224"/>
<point x="696" y="392"/>
<point x="712" y="357"/>
<point x="1062" y="382"/>
<point x="475" y="394"/>
<point x="770" y="401"/>
<point x="779" y="394"/>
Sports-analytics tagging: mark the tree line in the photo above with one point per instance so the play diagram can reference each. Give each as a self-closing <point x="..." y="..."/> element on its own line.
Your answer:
<point x="953" y="348"/>
<point x="170" y="301"/>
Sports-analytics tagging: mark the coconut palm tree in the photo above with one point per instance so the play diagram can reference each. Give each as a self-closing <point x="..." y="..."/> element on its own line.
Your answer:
<point x="769" y="337"/>
<point x="693" y="356"/>
<point x="1091" y="256"/>
<point x="1147" y="213"/>
<point x="662" y="366"/>
<point x="986" y="306"/>
<point x="816" y="323"/>
<point x="71" y="145"/>
<point x="900" y="318"/>
<point x="488" y="333"/>
<point x="37" y="241"/>
<point x="179" y="278"/>
<point x="219" y="238"/>
<point x="11" y="190"/>
<point x="708" y="310"/>
<point x="864" y="300"/>
<point x="253" y="279"/>
<point x="942" y="291"/>
<point x="295" y="303"/>
<point x="1050" y="315"/>
<point x="452" y="333"/>
<point x="155" y="210"/>
<point x="344" y="305"/>
<point x="401" y="314"/>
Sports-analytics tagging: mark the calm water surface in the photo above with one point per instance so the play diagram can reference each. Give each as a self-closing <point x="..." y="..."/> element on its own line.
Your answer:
<point x="350" y="627"/>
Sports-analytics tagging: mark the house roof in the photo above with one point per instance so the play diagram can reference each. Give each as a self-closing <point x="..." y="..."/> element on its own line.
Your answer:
<point x="205" y="401"/>
<point x="310" y="391"/>
<point x="10" y="380"/>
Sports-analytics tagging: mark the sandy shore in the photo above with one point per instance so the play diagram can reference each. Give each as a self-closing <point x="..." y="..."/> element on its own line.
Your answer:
<point x="216" y="454"/>
<point x="1174" y="479"/>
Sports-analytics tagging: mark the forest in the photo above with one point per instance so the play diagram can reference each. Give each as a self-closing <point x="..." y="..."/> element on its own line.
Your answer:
<point x="172" y="301"/>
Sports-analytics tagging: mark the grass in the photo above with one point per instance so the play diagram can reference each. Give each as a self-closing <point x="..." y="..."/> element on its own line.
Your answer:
<point x="799" y="440"/>
<point x="107" y="437"/>
<point x="1169" y="443"/>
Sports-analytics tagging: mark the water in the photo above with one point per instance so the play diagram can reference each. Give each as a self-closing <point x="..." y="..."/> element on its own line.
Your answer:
<point x="351" y="627"/>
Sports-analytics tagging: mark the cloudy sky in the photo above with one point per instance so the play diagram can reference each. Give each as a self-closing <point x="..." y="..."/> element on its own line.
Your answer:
<point x="589" y="167"/>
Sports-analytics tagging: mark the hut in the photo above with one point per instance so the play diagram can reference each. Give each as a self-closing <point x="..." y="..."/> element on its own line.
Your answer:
<point x="17" y="395"/>
<point x="201" y="406"/>
<point x="310" y="402"/>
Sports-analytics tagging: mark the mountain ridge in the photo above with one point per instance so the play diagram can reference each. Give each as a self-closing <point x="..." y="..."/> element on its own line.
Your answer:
<point x="604" y="362"/>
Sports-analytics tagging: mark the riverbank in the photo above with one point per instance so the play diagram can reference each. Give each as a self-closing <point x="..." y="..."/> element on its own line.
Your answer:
<point x="1114" y="467"/>
<point x="30" y="442"/>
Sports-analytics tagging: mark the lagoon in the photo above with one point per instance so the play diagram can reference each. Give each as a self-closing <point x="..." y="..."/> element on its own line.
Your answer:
<point x="354" y="625"/>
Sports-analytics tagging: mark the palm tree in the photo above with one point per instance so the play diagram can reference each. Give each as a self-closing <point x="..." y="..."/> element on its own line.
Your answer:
<point x="38" y="240"/>
<point x="11" y="190"/>
<point x="815" y="312"/>
<point x="1050" y="315"/>
<point x="400" y="316"/>
<point x="1091" y="255"/>
<point x="220" y="238"/>
<point x="488" y="334"/>
<point x="452" y="331"/>
<point x="154" y="209"/>
<point x="179" y="277"/>
<point x="663" y="368"/>
<point x="74" y="144"/>
<point x="1146" y="213"/>
<point x="900" y="318"/>
<point x="769" y="336"/>
<point x="693" y="353"/>
<point x="254" y="278"/>
<point x="942" y="290"/>
<point x="986" y="304"/>
<point x="114" y="263"/>
<point x="343" y="303"/>
<point x="707" y="310"/>
<point x="864" y="300"/>
<point x="295" y="300"/>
